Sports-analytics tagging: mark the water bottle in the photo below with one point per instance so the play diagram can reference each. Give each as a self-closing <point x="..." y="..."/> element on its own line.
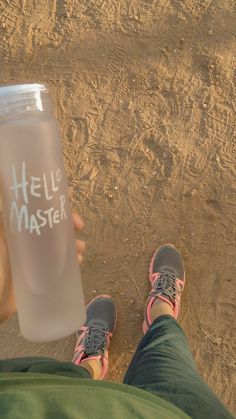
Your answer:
<point x="37" y="216"/>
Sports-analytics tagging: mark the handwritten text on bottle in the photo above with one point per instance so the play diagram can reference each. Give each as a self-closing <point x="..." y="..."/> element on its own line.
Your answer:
<point x="44" y="187"/>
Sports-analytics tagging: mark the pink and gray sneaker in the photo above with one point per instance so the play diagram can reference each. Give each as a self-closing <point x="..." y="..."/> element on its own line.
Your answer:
<point x="93" y="339"/>
<point x="167" y="277"/>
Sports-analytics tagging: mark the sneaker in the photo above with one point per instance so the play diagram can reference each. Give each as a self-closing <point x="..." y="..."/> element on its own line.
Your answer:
<point x="167" y="277"/>
<point x="93" y="339"/>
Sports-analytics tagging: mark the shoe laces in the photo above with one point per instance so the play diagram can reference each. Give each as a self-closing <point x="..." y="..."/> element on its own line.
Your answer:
<point x="95" y="341"/>
<point x="165" y="284"/>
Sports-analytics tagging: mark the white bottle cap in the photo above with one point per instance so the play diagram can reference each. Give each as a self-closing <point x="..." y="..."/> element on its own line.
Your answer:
<point x="22" y="98"/>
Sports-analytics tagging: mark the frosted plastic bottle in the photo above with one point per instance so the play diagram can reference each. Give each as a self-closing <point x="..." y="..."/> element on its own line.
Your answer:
<point x="37" y="216"/>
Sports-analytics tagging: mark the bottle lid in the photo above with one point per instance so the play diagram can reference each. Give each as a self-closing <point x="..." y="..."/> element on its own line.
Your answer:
<point x="21" y="98"/>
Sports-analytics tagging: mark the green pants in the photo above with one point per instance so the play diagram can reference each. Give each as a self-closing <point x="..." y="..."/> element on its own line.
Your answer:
<point x="163" y="365"/>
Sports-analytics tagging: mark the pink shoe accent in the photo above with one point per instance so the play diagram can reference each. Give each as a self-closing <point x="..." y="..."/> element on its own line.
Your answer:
<point x="103" y="359"/>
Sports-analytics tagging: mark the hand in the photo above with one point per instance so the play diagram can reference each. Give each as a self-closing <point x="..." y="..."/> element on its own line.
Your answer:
<point x="7" y="297"/>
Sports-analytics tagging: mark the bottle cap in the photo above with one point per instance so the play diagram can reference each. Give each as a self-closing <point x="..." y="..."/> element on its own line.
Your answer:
<point x="21" y="98"/>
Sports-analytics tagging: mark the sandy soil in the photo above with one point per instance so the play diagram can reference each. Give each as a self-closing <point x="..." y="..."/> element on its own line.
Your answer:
<point x="145" y="96"/>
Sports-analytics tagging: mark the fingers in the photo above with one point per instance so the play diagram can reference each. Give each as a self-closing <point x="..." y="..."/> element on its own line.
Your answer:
<point x="80" y="258"/>
<point x="1" y="225"/>
<point x="80" y="246"/>
<point x="77" y="221"/>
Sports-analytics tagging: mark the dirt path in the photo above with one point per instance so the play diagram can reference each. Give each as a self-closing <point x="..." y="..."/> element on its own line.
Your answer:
<point x="145" y="95"/>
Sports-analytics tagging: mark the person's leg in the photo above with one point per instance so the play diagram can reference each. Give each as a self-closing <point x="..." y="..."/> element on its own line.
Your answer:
<point x="163" y="363"/>
<point x="91" y="351"/>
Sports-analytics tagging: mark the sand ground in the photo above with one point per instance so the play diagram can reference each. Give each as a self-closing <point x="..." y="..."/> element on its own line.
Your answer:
<point x="145" y="97"/>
